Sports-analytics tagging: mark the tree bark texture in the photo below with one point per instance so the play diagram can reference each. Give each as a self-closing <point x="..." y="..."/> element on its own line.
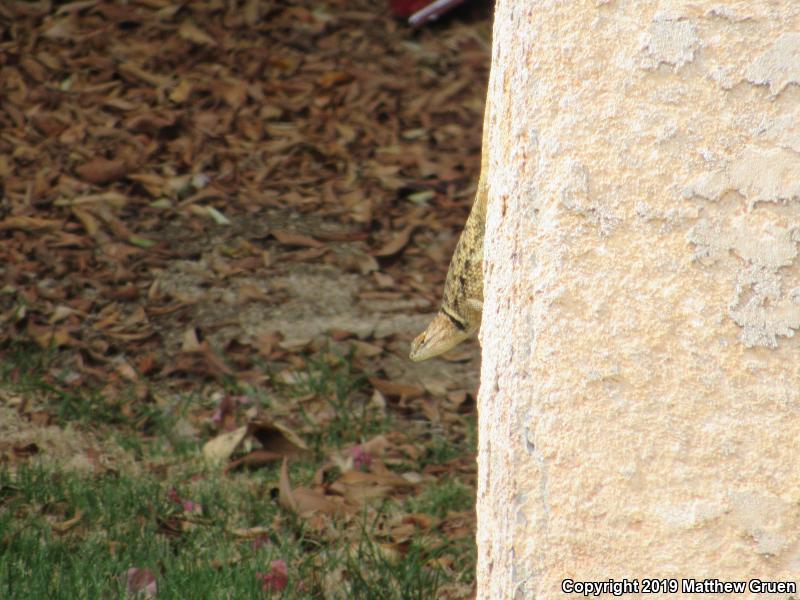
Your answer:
<point x="640" y="387"/>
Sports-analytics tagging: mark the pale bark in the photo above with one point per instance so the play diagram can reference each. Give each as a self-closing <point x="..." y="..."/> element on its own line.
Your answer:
<point x="640" y="388"/>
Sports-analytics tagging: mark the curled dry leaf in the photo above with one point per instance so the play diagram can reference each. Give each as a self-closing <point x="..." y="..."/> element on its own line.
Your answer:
<point x="65" y="526"/>
<point x="303" y="501"/>
<point x="276" y="437"/>
<point x="399" y="241"/>
<point x="253" y="459"/>
<point x="277" y="441"/>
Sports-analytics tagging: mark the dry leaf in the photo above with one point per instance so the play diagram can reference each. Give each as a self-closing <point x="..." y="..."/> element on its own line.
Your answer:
<point x="27" y="223"/>
<point x="194" y="34"/>
<point x="191" y="341"/>
<point x="290" y="238"/>
<point x="223" y="446"/>
<point x="275" y="437"/>
<point x="181" y="92"/>
<point x="101" y="170"/>
<point x="255" y="459"/>
<point x="393" y="388"/>
<point x="399" y="241"/>
<point x="302" y="501"/>
<point x="65" y="526"/>
<point x="62" y="29"/>
<point x="90" y="224"/>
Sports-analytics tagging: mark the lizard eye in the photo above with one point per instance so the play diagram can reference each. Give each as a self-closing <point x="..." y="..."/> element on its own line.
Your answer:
<point x="459" y="324"/>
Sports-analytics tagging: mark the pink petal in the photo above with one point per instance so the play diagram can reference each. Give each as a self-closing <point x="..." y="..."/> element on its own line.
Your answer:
<point x="361" y="458"/>
<point x="277" y="578"/>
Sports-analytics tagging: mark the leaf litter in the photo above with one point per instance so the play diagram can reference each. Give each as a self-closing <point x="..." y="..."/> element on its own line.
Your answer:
<point x="193" y="191"/>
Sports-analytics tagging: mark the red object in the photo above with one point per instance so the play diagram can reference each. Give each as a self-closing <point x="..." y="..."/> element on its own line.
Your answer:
<point x="406" y="8"/>
<point x="276" y="579"/>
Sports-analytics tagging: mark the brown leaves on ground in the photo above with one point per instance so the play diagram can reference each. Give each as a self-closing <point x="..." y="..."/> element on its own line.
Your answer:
<point x="276" y="441"/>
<point x="175" y="175"/>
<point x="132" y="132"/>
<point x="349" y="480"/>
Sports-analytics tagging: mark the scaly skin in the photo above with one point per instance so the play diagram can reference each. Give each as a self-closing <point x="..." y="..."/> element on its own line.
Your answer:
<point x="459" y="316"/>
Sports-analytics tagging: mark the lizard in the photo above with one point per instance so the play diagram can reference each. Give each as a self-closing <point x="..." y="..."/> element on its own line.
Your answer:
<point x="459" y="315"/>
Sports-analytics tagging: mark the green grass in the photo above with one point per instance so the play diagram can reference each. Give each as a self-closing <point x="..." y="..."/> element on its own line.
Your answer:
<point x="122" y="525"/>
<point x="334" y="379"/>
<point x="27" y="369"/>
<point x="129" y="517"/>
<point x="442" y="497"/>
<point x="373" y="575"/>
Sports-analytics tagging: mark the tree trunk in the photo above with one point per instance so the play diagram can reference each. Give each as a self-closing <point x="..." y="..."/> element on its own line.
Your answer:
<point x="640" y="387"/>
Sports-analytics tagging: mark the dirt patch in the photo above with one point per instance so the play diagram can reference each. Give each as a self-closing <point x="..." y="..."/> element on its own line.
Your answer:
<point x="65" y="447"/>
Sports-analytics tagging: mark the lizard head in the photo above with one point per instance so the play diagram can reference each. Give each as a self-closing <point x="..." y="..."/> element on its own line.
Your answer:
<point x="444" y="332"/>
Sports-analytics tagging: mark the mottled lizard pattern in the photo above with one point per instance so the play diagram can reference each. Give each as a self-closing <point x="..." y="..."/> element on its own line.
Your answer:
<point x="459" y="315"/>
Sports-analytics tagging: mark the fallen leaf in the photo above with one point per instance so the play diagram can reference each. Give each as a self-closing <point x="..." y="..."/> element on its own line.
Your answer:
<point x="223" y="446"/>
<point x="25" y="451"/>
<point x="393" y="388"/>
<point x="90" y="224"/>
<point x="277" y="441"/>
<point x="366" y="350"/>
<point x="302" y="501"/>
<point x="65" y="526"/>
<point x="332" y="78"/>
<point x="181" y="92"/>
<point x="101" y="170"/>
<point x="399" y="241"/>
<point x="194" y="34"/>
<point x="275" y="437"/>
<point x="62" y="29"/>
<point x="191" y="341"/>
<point x="254" y="458"/>
<point x="27" y="223"/>
<point x="290" y="238"/>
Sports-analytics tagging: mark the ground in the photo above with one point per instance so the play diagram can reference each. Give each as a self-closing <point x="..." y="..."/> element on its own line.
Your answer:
<point x="223" y="217"/>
